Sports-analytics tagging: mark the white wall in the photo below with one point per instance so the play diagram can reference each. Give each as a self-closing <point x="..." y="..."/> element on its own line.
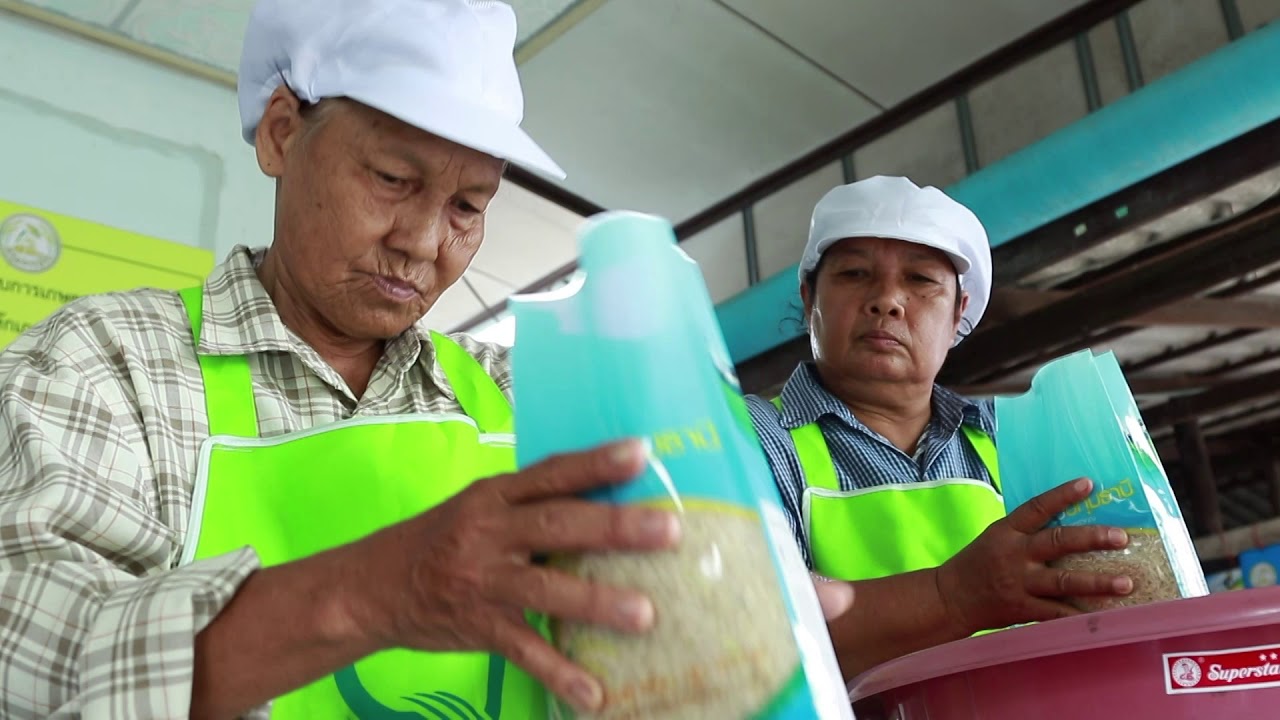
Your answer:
<point x="93" y="132"/>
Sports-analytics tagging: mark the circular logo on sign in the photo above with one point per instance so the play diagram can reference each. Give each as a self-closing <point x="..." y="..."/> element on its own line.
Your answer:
<point x="29" y="243"/>
<point x="1186" y="673"/>
<point x="1262" y="575"/>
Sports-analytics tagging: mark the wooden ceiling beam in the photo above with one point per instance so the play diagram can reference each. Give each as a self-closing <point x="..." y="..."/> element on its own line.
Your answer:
<point x="1258" y="312"/>
<point x="1155" y="385"/>
<point x="1188" y="182"/>
<point x="1221" y="252"/>
<point x="1224" y="396"/>
<point x="1241" y="447"/>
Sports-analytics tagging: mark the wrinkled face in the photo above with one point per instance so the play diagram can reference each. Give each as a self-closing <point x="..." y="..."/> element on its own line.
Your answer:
<point x="883" y="311"/>
<point x="374" y="218"/>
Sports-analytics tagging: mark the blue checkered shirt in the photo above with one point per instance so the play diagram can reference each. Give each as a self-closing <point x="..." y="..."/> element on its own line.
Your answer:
<point x="863" y="458"/>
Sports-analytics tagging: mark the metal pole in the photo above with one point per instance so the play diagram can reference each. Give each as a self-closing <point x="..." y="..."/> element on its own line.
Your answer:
<point x="847" y="168"/>
<point x="749" y="237"/>
<point x="1129" y="50"/>
<point x="1231" y="15"/>
<point x="967" y="139"/>
<point x="1088" y="72"/>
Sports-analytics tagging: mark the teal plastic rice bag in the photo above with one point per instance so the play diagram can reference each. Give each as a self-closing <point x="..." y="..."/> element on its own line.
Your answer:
<point x="1080" y="420"/>
<point x="631" y="348"/>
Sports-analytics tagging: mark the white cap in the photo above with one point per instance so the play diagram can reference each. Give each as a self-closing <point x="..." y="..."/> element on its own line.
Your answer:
<point x="897" y="209"/>
<point x="445" y="66"/>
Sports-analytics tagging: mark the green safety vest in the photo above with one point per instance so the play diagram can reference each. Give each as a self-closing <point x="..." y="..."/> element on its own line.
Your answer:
<point x="293" y="496"/>
<point x="890" y="529"/>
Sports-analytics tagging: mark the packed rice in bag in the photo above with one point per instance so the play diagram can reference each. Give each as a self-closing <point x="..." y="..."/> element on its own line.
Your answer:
<point x="1080" y="420"/>
<point x="631" y="348"/>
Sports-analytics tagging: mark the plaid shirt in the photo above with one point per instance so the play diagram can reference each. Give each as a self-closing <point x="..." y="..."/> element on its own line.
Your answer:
<point x="862" y="457"/>
<point x="102" y="412"/>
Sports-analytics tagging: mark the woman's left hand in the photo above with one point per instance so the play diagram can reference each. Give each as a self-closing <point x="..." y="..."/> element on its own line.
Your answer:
<point x="835" y="596"/>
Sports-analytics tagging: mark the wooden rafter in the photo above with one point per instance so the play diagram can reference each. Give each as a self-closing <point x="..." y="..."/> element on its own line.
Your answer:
<point x="1220" y="253"/>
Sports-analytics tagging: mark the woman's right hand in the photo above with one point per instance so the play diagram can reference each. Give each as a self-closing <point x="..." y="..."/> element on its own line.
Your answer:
<point x="462" y="575"/>
<point x="1002" y="578"/>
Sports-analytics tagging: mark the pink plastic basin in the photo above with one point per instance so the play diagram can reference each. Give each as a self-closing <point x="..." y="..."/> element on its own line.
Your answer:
<point x="1208" y="658"/>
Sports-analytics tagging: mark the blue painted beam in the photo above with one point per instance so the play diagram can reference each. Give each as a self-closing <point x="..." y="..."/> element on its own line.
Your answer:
<point x="1203" y="105"/>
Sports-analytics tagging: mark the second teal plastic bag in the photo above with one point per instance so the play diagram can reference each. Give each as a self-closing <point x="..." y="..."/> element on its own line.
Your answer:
<point x="1080" y="420"/>
<point x="631" y="348"/>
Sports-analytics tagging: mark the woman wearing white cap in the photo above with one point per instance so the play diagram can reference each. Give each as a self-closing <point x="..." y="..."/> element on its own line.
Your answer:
<point x="890" y="479"/>
<point x="263" y="487"/>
